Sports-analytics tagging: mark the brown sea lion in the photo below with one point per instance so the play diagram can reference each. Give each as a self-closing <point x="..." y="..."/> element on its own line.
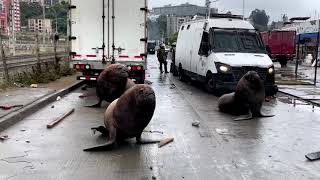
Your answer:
<point x="246" y="100"/>
<point x="112" y="83"/>
<point x="127" y="116"/>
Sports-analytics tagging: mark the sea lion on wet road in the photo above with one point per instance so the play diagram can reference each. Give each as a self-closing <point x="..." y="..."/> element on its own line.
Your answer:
<point x="112" y="83"/>
<point x="127" y="116"/>
<point x="247" y="99"/>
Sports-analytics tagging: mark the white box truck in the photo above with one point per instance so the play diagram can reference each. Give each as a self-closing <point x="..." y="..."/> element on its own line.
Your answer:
<point x="220" y="50"/>
<point x="108" y="31"/>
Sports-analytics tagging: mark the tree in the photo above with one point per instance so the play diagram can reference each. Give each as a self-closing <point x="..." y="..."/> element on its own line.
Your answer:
<point x="260" y="19"/>
<point x="173" y="38"/>
<point x="162" y="24"/>
<point x="29" y="10"/>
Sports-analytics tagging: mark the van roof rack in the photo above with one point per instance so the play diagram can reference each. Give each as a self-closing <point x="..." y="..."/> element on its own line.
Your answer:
<point x="226" y="16"/>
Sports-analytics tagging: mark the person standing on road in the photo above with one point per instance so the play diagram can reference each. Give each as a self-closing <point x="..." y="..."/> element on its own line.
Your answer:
<point x="162" y="58"/>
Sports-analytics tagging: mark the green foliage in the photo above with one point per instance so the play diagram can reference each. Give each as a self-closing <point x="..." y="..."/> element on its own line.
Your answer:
<point x="173" y="38"/>
<point x="260" y="19"/>
<point x="162" y="24"/>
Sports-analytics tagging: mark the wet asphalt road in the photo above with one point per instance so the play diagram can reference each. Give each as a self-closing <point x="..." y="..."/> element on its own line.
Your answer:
<point x="271" y="148"/>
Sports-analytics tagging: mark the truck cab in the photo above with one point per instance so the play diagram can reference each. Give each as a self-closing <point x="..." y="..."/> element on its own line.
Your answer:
<point x="220" y="50"/>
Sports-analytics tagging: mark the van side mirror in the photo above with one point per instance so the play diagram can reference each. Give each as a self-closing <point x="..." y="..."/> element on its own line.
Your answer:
<point x="204" y="50"/>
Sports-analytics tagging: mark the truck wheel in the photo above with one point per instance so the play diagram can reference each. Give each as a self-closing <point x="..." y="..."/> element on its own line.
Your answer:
<point x="174" y="71"/>
<point x="283" y="61"/>
<point x="210" y="85"/>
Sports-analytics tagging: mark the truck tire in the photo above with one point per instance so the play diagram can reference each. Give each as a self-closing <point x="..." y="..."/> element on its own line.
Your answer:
<point x="210" y="85"/>
<point x="283" y="61"/>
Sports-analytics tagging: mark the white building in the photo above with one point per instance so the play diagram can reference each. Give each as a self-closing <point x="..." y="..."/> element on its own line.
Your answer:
<point x="40" y="25"/>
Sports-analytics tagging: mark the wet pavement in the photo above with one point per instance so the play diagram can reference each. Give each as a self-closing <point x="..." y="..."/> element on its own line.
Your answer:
<point x="268" y="148"/>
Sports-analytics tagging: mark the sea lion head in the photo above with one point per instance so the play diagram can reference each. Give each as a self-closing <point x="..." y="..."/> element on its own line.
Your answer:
<point x="112" y="82"/>
<point x="253" y="78"/>
<point x="145" y="95"/>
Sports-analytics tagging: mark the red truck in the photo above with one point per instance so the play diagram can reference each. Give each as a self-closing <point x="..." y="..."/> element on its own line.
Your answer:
<point x="281" y="45"/>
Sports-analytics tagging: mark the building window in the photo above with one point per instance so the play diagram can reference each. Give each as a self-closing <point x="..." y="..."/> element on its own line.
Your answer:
<point x="182" y="28"/>
<point x="188" y="26"/>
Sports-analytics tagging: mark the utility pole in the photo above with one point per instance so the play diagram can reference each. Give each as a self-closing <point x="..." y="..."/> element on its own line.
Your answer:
<point x="243" y="7"/>
<point x="44" y="18"/>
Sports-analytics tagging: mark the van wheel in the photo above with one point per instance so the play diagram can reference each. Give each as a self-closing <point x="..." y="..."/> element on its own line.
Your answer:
<point x="210" y="84"/>
<point x="181" y="75"/>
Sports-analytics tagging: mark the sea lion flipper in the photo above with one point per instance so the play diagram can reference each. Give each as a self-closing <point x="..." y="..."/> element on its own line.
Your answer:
<point x="265" y="115"/>
<point x="101" y="147"/>
<point x="95" y="105"/>
<point x="245" y="117"/>
<point x="145" y="141"/>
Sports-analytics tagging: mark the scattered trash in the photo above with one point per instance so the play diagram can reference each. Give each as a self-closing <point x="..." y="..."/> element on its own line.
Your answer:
<point x="82" y="96"/>
<point x="10" y="107"/>
<point x="160" y="132"/>
<point x="23" y="130"/>
<point x="59" y="119"/>
<point x="223" y="131"/>
<point x="165" y="142"/>
<point x="196" y="124"/>
<point x="58" y="98"/>
<point x="34" y="85"/>
<point x="148" y="82"/>
<point x="27" y="141"/>
<point x="7" y="95"/>
<point x="151" y="168"/>
<point x="84" y="88"/>
<point x="153" y="177"/>
<point x="18" y="85"/>
<point x="173" y="86"/>
<point x="313" y="156"/>
<point x="52" y="106"/>
<point x="3" y="138"/>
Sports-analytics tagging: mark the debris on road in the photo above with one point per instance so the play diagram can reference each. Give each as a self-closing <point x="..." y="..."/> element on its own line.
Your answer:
<point x="3" y="138"/>
<point x="151" y="168"/>
<point x="34" y="85"/>
<point x="52" y="106"/>
<point x="28" y="142"/>
<point x="83" y="96"/>
<point x="10" y="107"/>
<point x="148" y="82"/>
<point x="160" y="132"/>
<point x="55" y="122"/>
<point x="223" y="131"/>
<point x="165" y="142"/>
<point x="196" y="124"/>
<point x="84" y="88"/>
<point x="58" y="98"/>
<point x="153" y="177"/>
<point x="313" y="156"/>
<point x="173" y="86"/>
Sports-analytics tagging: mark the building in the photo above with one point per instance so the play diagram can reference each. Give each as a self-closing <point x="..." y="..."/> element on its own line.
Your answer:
<point x="10" y="17"/>
<point x="174" y="22"/>
<point x="40" y="25"/>
<point x="183" y="10"/>
<point x="4" y="14"/>
<point x="16" y="15"/>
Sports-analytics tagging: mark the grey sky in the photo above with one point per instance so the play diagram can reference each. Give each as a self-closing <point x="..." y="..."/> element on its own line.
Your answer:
<point x="274" y="8"/>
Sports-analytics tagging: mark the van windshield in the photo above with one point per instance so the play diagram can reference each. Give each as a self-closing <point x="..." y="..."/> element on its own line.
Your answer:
<point x="151" y="45"/>
<point x="224" y="40"/>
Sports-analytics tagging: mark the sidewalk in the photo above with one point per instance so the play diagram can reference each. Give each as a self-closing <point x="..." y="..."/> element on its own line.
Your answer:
<point x="30" y="99"/>
<point x="307" y="93"/>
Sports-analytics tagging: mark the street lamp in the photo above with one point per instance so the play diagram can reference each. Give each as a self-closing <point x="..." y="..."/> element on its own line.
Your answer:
<point x="208" y="3"/>
<point x="243" y="7"/>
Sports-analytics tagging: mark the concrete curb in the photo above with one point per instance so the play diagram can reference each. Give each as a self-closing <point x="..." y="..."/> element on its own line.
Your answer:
<point x="22" y="113"/>
<point x="299" y="98"/>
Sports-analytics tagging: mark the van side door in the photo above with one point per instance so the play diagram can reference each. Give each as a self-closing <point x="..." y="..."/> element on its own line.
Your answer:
<point x="203" y="53"/>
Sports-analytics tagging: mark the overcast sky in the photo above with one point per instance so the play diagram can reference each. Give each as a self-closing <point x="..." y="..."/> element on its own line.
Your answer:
<point x="274" y="8"/>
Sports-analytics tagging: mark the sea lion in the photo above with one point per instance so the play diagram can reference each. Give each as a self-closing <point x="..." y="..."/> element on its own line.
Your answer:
<point x="127" y="116"/>
<point x="247" y="99"/>
<point x="112" y="83"/>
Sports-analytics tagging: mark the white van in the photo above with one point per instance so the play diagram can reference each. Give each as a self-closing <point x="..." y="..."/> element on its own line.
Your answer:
<point x="220" y="50"/>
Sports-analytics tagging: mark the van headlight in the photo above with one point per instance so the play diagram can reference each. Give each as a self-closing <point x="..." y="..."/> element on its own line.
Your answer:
<point x="271" y="70"/>
<point x="223" y="68"/>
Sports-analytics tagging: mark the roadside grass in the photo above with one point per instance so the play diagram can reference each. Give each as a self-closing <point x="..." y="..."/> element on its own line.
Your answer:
<point x="25" y="79"/>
